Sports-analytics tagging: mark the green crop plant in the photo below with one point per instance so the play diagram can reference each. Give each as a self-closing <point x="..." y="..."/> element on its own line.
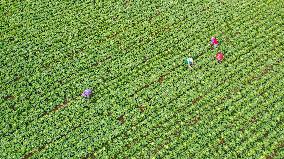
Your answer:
<point x="145" y="102"/>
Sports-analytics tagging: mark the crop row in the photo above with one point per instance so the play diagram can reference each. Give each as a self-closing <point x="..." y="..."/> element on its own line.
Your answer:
<point x="249" y="109"/>
<point x="37" y="61"/>
<point x="29" y="104"/>
<point x="143" y="126"/>
<point x="219" y="105"/>
<point x="58" y="95"/>
<point x="170" y="120"/>
<point x="105" y="102"/>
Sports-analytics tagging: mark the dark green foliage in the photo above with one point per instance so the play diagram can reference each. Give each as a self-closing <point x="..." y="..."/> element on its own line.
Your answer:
<point x="145" y="102"/>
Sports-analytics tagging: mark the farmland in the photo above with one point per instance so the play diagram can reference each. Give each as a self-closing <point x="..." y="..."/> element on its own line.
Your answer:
<point x="146" y="103"/>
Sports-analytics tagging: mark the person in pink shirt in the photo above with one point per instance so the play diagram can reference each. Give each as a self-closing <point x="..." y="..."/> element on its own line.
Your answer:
<point x="219" y="57"/>
<point x="214" y="42"/>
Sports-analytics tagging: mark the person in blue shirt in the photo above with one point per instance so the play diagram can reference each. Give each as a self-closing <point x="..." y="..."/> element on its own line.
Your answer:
<point x="189" y="62"/>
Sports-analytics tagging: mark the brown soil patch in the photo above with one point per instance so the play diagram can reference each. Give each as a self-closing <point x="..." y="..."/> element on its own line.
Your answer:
<point x="194" y="101"/>
<point x="222" y="141"/>
<point x="121" y="119"/>
<point x="9" y="97"/>
<point x="161" y="79"/>
<point x="142" y="108"/>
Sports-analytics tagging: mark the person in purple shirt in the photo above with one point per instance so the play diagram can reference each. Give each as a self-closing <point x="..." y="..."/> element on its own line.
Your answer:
<point x="87" y="93"/>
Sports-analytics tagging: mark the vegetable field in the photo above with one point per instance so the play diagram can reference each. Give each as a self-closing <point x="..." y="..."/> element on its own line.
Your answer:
<point x="145" y="102"/>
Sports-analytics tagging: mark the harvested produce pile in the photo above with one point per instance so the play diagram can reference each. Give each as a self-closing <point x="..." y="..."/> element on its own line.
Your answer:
<point x="108" y="79"/>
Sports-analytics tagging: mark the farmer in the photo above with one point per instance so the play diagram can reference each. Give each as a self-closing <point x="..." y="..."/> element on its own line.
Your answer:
<point x="214" y="42"/>
<point x="219" y="57"/>
<point x="87" y="93"/>
<point x="189" y="62"/>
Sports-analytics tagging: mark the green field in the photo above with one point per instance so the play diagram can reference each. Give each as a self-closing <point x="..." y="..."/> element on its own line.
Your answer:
<point x="146" y="103"/>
